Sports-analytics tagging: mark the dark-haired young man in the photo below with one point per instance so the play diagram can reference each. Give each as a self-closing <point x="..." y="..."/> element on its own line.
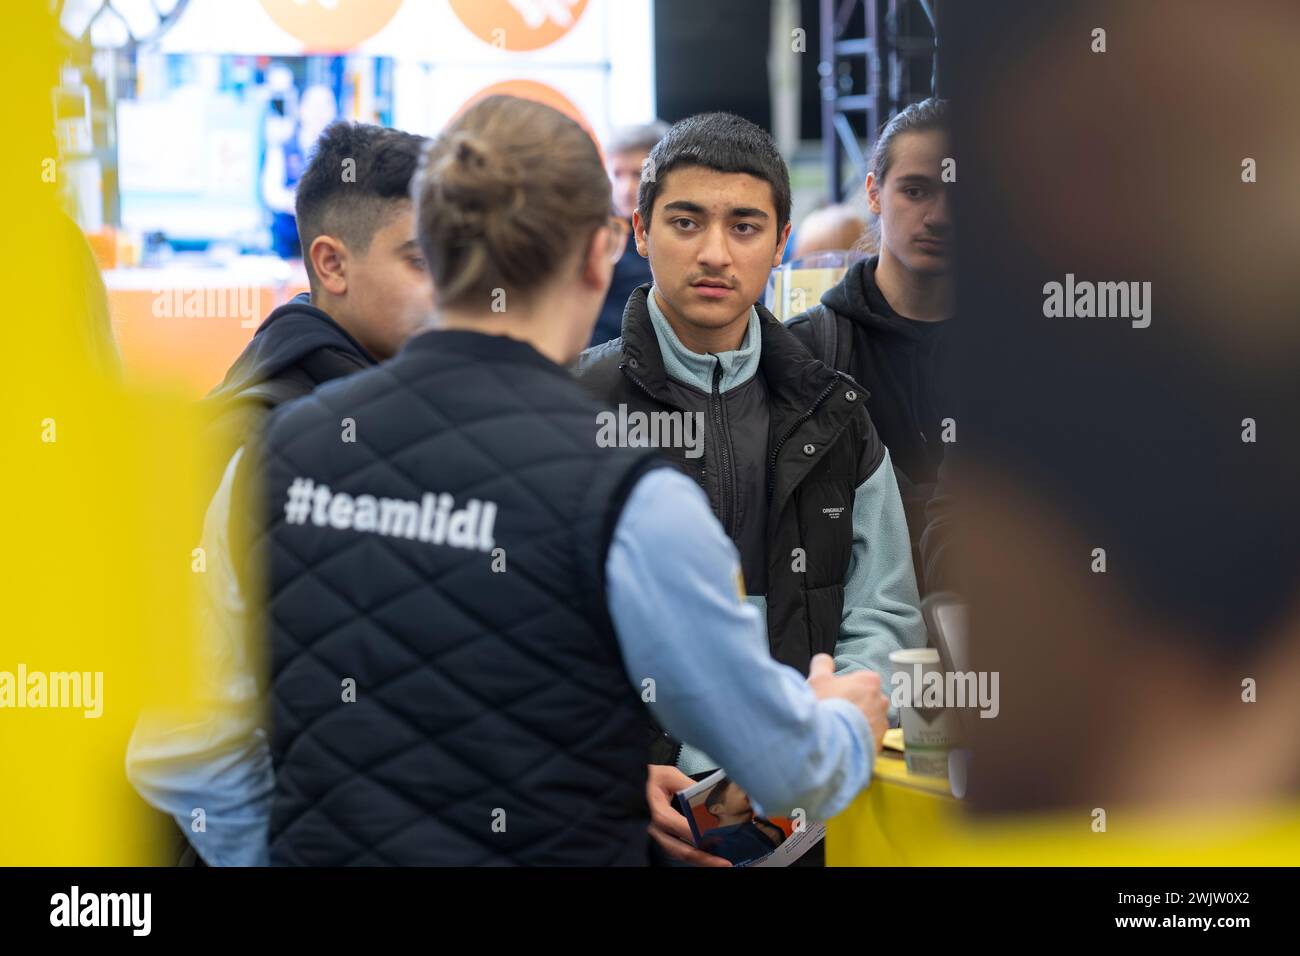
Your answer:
<point x="790" y="460"/>
<point x="370" y="289"/>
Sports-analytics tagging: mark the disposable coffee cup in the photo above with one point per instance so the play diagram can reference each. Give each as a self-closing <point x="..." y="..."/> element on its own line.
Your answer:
<point x="929" y="732"/>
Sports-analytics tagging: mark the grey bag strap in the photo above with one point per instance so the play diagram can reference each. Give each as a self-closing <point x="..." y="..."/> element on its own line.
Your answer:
<point x="831" y="347"/>
<point x="825" y="335"/>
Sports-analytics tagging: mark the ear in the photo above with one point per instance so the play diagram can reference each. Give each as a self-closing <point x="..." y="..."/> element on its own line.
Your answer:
<point x="642" y="240"/>
<point x="873" y="193"/>
<point x="780" y="246"/>
<point x="329" y="260"/>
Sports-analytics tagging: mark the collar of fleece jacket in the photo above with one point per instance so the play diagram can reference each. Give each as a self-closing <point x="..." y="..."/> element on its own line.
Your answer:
<point x="797" y="383"/>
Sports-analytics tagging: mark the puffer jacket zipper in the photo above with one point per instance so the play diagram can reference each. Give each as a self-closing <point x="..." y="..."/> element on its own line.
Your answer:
<point x="726" y="479"/>
<point x="776" y="449"/>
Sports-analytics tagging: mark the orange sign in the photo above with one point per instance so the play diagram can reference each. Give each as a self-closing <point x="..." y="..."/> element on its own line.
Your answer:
<point x="519" y="24"/>
<point x="532" y="90"/>
<point x="335" y="26"/>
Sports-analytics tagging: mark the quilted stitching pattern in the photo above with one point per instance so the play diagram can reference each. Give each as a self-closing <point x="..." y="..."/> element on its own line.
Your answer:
<point x="475" y="690"/>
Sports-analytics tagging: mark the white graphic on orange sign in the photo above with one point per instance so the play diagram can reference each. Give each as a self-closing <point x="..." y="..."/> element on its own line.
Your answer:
<point x="519" y="24"/>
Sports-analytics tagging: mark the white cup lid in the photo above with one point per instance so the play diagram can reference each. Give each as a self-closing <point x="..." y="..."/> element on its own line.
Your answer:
<point x="917" y="655"/>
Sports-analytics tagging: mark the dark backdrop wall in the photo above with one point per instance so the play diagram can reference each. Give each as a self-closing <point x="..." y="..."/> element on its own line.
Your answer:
<point x="712" y="55"/>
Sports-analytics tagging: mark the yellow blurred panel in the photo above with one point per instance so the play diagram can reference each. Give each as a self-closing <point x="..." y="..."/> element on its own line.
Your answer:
<point x="905" y="820"/>
<point x="98" y="487"/>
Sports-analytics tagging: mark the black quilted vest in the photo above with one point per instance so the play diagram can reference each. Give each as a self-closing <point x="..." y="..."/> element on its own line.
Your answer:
<point x="493" y="722"/>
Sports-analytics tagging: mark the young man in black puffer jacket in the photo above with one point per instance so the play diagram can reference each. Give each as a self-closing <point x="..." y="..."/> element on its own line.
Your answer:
<point x="781" y="442"/>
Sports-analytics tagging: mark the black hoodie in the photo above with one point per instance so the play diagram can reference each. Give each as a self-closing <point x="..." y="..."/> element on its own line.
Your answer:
<point x="903" y="365"/>
<point x="298" y="345"/>
<point x="297" y="348"/>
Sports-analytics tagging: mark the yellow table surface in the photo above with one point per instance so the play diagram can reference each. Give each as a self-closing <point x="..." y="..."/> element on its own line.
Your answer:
<point x="904" y="819"/>
<point x="863" y="835"/>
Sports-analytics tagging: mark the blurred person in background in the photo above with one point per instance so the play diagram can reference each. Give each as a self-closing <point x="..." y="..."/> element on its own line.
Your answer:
<point x="292" y="128"/>
<point x="1126" y="495"/>
<point x="833" y="228"/>
<point x="886" y="323"/>
<point x="625" y="156"/>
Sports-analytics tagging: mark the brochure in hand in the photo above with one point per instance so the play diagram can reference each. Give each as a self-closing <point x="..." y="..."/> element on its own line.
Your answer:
<point x="724" y="823"/>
